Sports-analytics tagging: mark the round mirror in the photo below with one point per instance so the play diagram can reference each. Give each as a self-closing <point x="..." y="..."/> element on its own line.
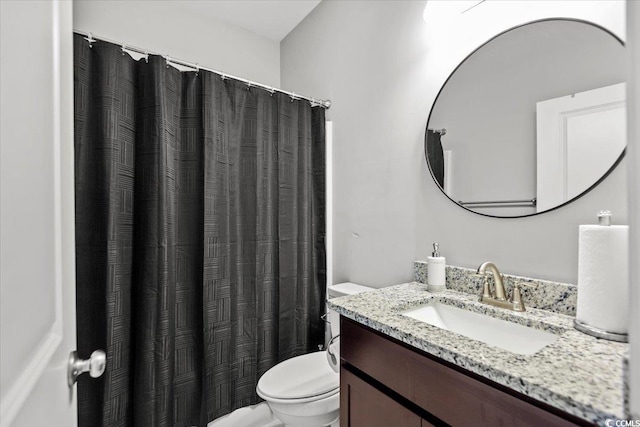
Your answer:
<point x="531" y="120"/>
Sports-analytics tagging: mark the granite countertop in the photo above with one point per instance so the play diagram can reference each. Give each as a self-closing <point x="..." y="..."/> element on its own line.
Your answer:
<point x="577" y="373"/>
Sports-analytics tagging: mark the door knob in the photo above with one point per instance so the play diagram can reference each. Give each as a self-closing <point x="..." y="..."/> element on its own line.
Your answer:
<point x="95" y="365"/>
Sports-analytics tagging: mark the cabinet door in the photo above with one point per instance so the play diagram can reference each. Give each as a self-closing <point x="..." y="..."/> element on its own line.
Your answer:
<point x="362" y="405"/>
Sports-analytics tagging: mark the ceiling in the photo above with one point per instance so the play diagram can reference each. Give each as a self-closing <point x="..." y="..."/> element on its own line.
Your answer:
<point x="273" y="19"/>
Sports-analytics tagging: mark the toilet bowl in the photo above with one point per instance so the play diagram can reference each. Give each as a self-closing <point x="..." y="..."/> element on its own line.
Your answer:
<point x="304" y="391"/>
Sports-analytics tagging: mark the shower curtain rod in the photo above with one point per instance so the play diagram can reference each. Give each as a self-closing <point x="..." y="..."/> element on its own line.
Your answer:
<point x="91" y="38"/>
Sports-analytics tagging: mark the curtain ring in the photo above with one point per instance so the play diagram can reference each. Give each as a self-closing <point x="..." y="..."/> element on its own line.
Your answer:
<point x="223" y="77"/>
<point x="197" y="69"/>
<point x="146" y="56"/>
<point x="292" y="96"/>
<point x="248" y="85"/>
<point x="271" y="91"/>
<point x="168" y="60"/>
<point x="124" y="46"/>
<point x="90" y="39"/>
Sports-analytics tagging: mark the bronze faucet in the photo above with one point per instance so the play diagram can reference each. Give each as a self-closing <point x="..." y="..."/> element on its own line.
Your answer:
<point x="498" y="299"/>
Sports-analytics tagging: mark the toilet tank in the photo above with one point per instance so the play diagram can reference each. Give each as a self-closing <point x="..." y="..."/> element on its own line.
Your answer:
<point x="340" y="290"/>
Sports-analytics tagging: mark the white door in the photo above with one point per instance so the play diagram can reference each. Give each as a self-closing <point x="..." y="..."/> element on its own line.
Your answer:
<point x="37" y="290"/>
<point x="579" y="137"/>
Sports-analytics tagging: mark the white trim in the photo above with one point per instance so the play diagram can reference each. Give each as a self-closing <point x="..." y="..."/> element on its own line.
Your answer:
<point x="329" y="200"/>
<point x="26" y="381"/>
<point x="448" y="161"/>
<point x="552" y="150"/>
<point x="633" y="171"/>
<point x="57" y="169"/>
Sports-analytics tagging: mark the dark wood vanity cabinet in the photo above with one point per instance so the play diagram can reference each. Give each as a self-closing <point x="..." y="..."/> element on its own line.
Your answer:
<point x="370" y="407"/>
<point x="386" y="383"/>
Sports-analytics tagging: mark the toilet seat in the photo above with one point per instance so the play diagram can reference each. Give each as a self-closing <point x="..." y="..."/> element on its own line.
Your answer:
<point x="299" y="379"/>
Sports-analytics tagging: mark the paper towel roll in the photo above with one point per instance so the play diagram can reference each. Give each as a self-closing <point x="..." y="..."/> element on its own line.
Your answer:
<point x="603" y="282"/>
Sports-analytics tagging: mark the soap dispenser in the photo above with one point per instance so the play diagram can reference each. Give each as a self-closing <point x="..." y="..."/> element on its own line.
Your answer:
<point x="436" y="271"/>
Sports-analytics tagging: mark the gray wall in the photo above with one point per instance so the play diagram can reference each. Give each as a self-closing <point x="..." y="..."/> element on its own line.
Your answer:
<point x="382" y="67"/>
<point x="173" y="28"/>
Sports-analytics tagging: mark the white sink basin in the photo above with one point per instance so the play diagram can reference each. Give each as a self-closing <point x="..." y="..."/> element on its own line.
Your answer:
<point x="496" y="332"/>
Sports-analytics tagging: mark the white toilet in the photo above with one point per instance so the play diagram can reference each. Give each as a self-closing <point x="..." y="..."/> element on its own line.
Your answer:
<point x="304" y="391"/>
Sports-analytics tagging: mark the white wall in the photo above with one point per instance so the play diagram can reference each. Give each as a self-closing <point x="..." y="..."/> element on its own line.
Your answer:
<point x="633" y="94"/>
<point x="382" y="67"/>
<point x="169" y="28"/>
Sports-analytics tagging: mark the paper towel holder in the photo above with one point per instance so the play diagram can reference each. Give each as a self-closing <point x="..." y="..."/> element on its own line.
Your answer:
<point x="604" y="218"/>
<point x="599" y="333"/>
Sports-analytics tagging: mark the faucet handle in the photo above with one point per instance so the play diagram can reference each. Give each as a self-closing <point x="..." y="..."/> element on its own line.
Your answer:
<point x="528" y="285"/>
<point x="516" y="298"/>
<point x="486" y="292"/>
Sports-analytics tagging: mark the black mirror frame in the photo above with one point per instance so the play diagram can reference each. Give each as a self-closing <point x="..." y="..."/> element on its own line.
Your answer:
<point x="426" y="156"/>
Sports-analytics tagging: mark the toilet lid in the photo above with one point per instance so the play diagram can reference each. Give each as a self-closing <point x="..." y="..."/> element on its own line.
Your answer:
<point x="299" y="377"/>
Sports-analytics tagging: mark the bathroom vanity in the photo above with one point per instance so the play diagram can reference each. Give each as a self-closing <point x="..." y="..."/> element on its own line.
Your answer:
<point x="387" y="383"/>
<point x="400" y="371"/>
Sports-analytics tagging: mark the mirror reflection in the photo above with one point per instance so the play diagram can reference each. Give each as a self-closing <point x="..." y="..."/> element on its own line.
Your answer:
<point x="531" y="120"/>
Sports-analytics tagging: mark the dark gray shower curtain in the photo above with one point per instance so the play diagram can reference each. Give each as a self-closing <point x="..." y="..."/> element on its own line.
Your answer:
<point x="199" y="237"/>
<point x="435" y="156"/>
